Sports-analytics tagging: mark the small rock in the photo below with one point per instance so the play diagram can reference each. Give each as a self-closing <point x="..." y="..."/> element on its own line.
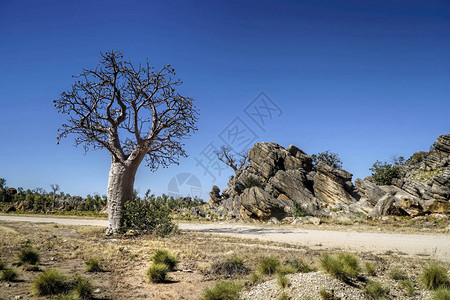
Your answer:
<point x="18" y="297"/>
<point x="297" y="221"/>
<point x="288" y="219"/>
<point x="385" y="218"/>
<point x="97" y="291"/>
<point x="315" y="220"/>
<point x="439" y="216"/>
<point x="274" y="220"/>
<point x="429" y="224"/>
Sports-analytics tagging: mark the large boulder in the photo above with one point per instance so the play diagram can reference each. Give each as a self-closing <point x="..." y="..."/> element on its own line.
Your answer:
<point x="293" y="185"/>
<point x="440" y="186"/>
<point x="386" y="206"/>
<point x="417" y="188"/>
<point x="369" y="191"/>
<point x="268" y="158"/>
<point x="436" y="206"/>
<point x="258" y="204"/>
<point x="215" y="195"/>
<point x="332" y="186"/>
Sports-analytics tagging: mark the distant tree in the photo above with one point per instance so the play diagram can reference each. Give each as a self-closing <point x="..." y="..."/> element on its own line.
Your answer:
<point x="398" y="160"/>
<point x="2" y="183"/>
<point x="235" y="161"/>
<point x="134" y="112"/>
<point x="55" y="188"/>
<point x="3" y="195"/>
<point x="383" y="173"/>
<point x="329" y="158"/>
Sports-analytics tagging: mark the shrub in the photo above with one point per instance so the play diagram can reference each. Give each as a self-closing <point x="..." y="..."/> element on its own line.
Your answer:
<point x="269" y="265"/>
<point x="299" y="265"/>
<point x="344" y="266"/>
<point x="408" y="285"/>
<point x="284" y="296"/>
<point x="254" y="278"/>
<point x="434" y="277"/>
<point x="82" y="287"/>
<point x="375" y="290"/>
<point x="94" y="265"/>
<point x="157" y="272"/>
<point x="398" y="274"/>
<point x="286" y="269"/>
<point x="383" y="173"/>
<point x="370" y="269"/>
<point x="282" y="280"/>
<point x="299" y="210"/>
<point x="9" y="275"/>
<point x="329" y="158"/>
<point x="326" y="295"/>
<point x="165" y="258"/>
<point x="223" y="290"/>
<point x="28" y="256"/>
<point x="51" y="282"/>
<point x="151" y="215"/>
<point x="229" y="267"/>
<point x="252" y="181"/>
<point x="441" y="294"/>
<point x="351" y="264"/>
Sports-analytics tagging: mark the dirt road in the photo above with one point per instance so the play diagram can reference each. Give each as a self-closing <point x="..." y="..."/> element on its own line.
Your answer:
<point x="432" y="245"/>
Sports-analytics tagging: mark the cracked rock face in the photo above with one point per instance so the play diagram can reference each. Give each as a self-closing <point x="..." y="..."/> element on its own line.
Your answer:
<point x="285" y="180"/>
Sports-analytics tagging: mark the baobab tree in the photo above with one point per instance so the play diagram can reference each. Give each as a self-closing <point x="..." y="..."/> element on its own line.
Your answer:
<point x="135" y="112"/>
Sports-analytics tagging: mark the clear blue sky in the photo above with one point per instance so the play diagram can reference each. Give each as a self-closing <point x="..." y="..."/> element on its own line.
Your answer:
<point x="365" y="79"/>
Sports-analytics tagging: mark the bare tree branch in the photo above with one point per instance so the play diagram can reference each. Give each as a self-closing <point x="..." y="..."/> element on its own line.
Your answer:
<point x="225" y="155"/>
<point x="133" y="111"/>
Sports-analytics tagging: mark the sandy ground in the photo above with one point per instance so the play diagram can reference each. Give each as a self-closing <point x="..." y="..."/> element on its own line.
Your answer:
<point x="431" y="245"/>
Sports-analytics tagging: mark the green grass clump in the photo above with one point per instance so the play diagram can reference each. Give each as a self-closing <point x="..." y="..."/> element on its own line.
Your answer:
<point x="252" y="181"/>
<point x="284" y="296"/>
<point x="94" y="265"/>
<point x="299" y="265"/>
<point x="223" y="290"/>
<point x="9" y="275"/>
<point x="269" y="265"/>
<point x="282" y="280"/>
<point x="82" y="287"/>
<point x="229" y="267"/>
<point x="371" y="270"/>
<point x="164" y="257"/>
<point x="157" y="273"/>
<point x="408" y="286"/>
<point x="326" y="295"/>
<point x="398" y="274"/>
<point x="344" y="266"/>
<point x="50" y="282"/>
<point x="254" y="278"/>
<point x="375" y="290"/>
<point x="441" y="294"/>
<point x="29" y="255"/>
<point x="434" y="277"/>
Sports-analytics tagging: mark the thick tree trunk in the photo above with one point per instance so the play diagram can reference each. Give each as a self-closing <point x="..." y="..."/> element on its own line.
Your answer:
<point x="120" y="190"/>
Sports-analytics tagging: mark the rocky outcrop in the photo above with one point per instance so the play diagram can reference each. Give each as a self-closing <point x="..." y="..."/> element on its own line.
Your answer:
<point x="279" y="182"/>
<point x="333" y="187"/>
<point x="256" y="203"/>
